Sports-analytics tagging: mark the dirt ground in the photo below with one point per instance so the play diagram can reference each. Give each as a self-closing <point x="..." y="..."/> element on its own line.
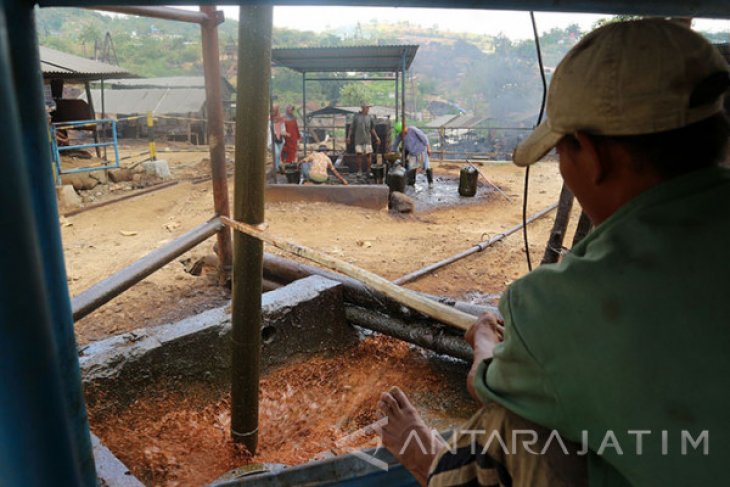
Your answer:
<point x="102" y="241"/>
<point x="178" y="439"/>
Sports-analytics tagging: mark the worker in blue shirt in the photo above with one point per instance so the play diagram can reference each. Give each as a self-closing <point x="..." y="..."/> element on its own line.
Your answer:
<point x="418" y="149"/>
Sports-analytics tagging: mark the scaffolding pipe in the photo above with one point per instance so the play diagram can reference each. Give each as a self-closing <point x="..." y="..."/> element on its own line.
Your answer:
<point x="254" y="74"/>
<point x="43" y="422"/>
<point x="103" y="292"/>
<point x="472" y="250"/>
<point x="216" y="135"/>
<point x="403" y="108"/>
<point x="166" y="13"/>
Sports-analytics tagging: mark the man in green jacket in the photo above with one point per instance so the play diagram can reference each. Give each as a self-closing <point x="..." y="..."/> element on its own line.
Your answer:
<point x="610" y="368"/>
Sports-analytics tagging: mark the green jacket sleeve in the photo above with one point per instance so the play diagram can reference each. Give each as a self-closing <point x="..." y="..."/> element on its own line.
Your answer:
<point x="513" y="377"/>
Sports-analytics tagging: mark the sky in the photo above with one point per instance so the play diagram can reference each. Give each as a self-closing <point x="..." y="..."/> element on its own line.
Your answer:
<point x="515" y="25"/>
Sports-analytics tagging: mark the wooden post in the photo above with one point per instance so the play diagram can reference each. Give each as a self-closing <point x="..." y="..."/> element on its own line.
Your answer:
<point x="557" y="234"/>
<point x="151" y="136"/>
<point x="583" y="228"/>
<point x="254" y="74"/>
<point x="437" y="311"/>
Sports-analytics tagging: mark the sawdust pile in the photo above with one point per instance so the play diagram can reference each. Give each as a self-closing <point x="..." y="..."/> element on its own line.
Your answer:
<point x="305" y="408"/>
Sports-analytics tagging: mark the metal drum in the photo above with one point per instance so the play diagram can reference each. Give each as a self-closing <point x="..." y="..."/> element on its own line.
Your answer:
<point x="468" y="179"/>
<point x="396" y="179"/>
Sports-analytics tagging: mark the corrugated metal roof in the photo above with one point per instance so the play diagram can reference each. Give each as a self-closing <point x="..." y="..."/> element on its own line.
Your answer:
<point x="344" y="59"/>
<point x="439" y="122"/>
<point x="377" y="110"/>
<point x="178" y="101"/>
<point x="465" y="121"/>
<point x="167" y="82"/>
<point x="57" y="64"/>
<point x="163" y="82"/>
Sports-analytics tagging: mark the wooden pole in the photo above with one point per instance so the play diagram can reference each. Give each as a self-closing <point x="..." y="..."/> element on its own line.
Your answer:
<point x="437" y="311"/>
<point x="557" y="235"/>
<point x="254" y="74"/>
<point x="582" y="229"/>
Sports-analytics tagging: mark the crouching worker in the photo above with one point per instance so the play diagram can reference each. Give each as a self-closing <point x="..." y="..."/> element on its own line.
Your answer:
<point x="608" y="368"/>
<point x="314" y="167"/>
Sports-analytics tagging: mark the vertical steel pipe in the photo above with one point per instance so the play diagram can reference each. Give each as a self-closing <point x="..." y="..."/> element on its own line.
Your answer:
<point x="216" y="134"/>
<point x="254" y="73"/>
<point x="304" y="108"/>
<point x="396" y="96"/>
<point x="403" y="104"/>
<point x="43" y="421"/>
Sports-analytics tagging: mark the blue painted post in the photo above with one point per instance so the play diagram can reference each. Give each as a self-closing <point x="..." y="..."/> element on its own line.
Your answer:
<point x="48" y="288"/>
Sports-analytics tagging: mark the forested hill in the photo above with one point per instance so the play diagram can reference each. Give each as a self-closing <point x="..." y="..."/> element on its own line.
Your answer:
<point x="486" y="74"/>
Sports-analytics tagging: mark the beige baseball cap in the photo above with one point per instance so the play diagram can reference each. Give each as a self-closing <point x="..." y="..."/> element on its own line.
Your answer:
<point x="629" y="78"/>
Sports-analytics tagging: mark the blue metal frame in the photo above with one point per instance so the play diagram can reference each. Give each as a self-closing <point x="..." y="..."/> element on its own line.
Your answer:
<point x="56" y="149"/>
<point x="43" y="422"/>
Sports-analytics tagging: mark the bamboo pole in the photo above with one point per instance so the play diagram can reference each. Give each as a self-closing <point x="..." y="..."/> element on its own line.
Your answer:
<point x="254" y="73"/>
<point x="432" y="309"/>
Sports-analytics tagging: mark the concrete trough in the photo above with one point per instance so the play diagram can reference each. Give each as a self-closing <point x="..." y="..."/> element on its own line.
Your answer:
<point x="374" y="197"/>
<point x="307" y="318"/>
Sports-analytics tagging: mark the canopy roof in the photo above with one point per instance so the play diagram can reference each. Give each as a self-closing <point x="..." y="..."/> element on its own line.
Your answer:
<point x="62" y="65"/>
<point x="159" y="101"/>
<point x="384" y="59"/>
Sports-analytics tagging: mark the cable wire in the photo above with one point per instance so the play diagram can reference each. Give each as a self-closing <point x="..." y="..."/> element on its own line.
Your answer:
<point x="539" y="120"/>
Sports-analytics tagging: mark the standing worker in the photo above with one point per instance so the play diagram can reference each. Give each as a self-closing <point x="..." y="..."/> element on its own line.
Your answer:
<point x="418" y="149"/>
<point x="292" y="136"/>
<point x="277" y="131"/>
<point x="363" y="128"/>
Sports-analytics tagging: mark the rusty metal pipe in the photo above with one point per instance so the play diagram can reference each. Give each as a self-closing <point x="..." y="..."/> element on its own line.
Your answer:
<point x="101" y="204"/>
<point x="167" y="13"/>
<point x="216" y="135"/>
<point x="424" y="334"/>
<point x="102" y="292"/>
<point x="472" y="250"/>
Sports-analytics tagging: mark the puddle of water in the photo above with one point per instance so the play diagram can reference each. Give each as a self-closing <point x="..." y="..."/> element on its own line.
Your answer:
<point x="445" y="192"/>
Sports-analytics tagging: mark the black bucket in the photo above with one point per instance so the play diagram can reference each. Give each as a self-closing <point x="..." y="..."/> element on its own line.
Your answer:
<point x="468" y="179"/>
<point x="378" y="173"/>
<point x="412" y="177"/>
<point x="396" y="179"/>
<point x="292" y="173"/>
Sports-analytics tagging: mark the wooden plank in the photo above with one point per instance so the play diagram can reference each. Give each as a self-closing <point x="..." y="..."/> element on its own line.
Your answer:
<point x="440" y="312"/>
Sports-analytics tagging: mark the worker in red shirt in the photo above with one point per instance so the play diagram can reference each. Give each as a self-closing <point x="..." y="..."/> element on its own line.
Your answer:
<point x="292" y="136"/>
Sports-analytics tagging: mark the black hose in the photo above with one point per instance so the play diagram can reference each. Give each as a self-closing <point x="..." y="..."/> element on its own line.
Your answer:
<point x="539" y="120"/>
